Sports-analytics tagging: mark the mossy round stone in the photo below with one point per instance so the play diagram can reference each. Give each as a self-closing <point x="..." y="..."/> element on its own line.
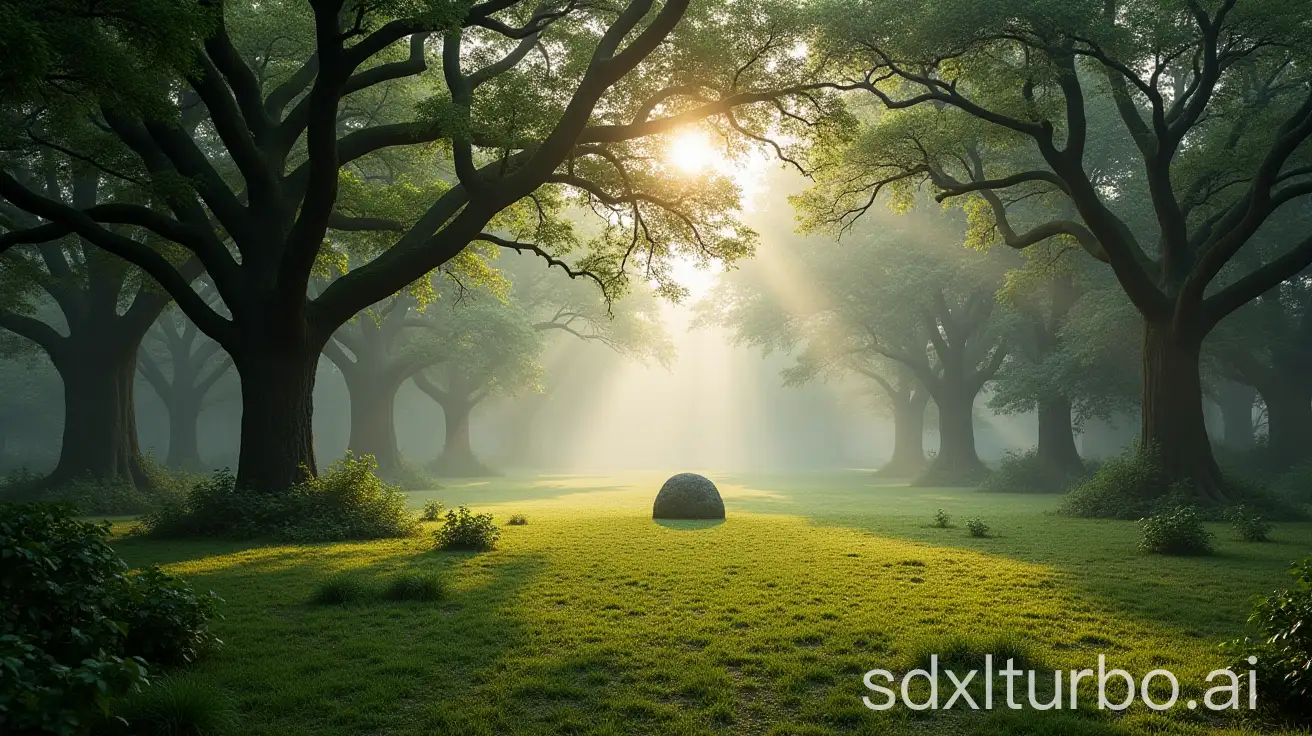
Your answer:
<point x="688" y="496"/>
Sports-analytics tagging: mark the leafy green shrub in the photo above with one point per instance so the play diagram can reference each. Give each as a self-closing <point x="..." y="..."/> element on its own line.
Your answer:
<point x="1249" y="526"/>
<point x="977" y="527"/>
<point x="432" y="511"/>
<point x="463" y="530"/>
<point x="175" y="706"/>
<point x="517" y="520"/>
<point x="407" y="477"/>
<point x="415" y="586"/>
<point x="1128" y="486"/>
<point x="348" y="501"/>
<point x="1283" y="647"/>
<point x="68" y="648"/>
<point x="342" y="588"/>
<point x="1027" y="472"/>
<point x="942" y="520"/>
<point x="1177" y="531"/>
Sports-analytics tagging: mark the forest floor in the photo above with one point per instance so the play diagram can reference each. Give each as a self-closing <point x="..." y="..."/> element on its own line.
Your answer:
<point x="593" y="619"/>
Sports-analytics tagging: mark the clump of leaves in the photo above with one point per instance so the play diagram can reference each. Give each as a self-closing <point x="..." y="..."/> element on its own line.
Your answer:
<point x="465" y="530"/>
<point x="977" y="527"/>
<point x="415" y="586"/>
<point x="342" y="588"/>
<point x="942" y="520"/>
<point x="78" y="626"/>
<point x="517" y="520"/>
<point x="1129" y="486"/>
<point x="1176" y="531"/>
<point x="348" y="501"/>
<point x="99" y="497"/>
<point x="1282" y="645"/>
<point x="432" y="511"/>
<point x="1249" y="526"/>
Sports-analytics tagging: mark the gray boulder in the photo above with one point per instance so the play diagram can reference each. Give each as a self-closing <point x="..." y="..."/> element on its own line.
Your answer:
<point x="688" y="496"/>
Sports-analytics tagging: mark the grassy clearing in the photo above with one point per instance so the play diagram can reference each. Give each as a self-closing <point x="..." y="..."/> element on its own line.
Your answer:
<point x="595" y="620"/>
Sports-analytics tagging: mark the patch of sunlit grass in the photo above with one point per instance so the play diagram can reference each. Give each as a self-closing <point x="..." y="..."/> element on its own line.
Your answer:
<point x="595" y="620"/>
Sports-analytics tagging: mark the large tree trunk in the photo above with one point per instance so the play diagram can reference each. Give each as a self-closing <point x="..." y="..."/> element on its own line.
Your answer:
<point x="457" y="457"/>
<point x="957" y="462"/>
<point x="277" y="399"/>
<point x="373" y="422"/>
<point x="1236" y="403"/>
<point x="1172" y="424"/>
<point x="100" y="426"/>
<point x="908" y="436"/>
<point x="1057" y="435"/>
<point x="184" y="415"/>
<point x="1289" y="421"/>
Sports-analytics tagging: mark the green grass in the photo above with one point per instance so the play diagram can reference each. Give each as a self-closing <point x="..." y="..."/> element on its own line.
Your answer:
<point x="595" y="620"/>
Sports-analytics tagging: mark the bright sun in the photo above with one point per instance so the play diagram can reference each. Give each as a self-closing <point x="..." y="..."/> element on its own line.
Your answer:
<point x="692" y="153"/>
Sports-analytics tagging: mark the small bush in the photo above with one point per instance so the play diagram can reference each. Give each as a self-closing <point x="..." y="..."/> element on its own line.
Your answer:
<point x="517" y="520"/>
<point x="1249" y="526"/>
<point x="1177" y="531"/>
<point x="175" y="706"/>
<point x="408" y="477"/>
<point x="342" y="588"/>
<point x="1283" y="645"/>
<point x="942" y="520"/>
<point x="69" y="639"/>
<point x="168" y="622"/>
<point x="977" y="528"/>
<point x="348" y="501"/>
<point x="1130" y="486"/>
<point x="1026" y="472"/>
<point x="415" y="586"/>
<point x="432" y="511"/>
<point x="463" y="530"/>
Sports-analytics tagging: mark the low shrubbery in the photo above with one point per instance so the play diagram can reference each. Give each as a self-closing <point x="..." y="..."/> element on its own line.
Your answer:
<point x="348" y="501"/>
<point x="942" y="520"/>
<point x="408" y="477"/>
<point x="1282" y="646"/>
<point x="80" y="630"/>
<point x="415" y="586"/>
<point x="93" y="497"/>
<point x="1176" y="531"/>
<point x="1134" y="485"/>
<point x="432" y="511"/>
<point x="174" y="706"/>
<point x="517" y="520"/>
<point x="977" y="528"/>
<point x="1249" y="526"/>
<point x="349" y="587"/>
<point x="464" y="530"/>
<point x="1027" y="472"/>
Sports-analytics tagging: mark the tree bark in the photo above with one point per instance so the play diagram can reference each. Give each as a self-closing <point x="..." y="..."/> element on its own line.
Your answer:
<point x="908" y="457"/>
<point x="373" y="421"/>
<point x="457" y="458"/>
<point x="1289" y="421"/>
<point x="1057" y="435"/>
<point x="1236" y="403"/>
<point x="100" y="426"/>
<point x="1172" y="424"/>
<point x="184" y="447"/>
<point x="277" y="398"/>
<point x="957" y="462"/>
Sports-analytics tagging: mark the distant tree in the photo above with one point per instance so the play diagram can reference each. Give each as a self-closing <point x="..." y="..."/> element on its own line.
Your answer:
<point x="102" y="308"/>
<point x="997" y="103"/>
<point x="919" y="321"/>
<point x="541" y="105"/>
<point x="182" y="366"/>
